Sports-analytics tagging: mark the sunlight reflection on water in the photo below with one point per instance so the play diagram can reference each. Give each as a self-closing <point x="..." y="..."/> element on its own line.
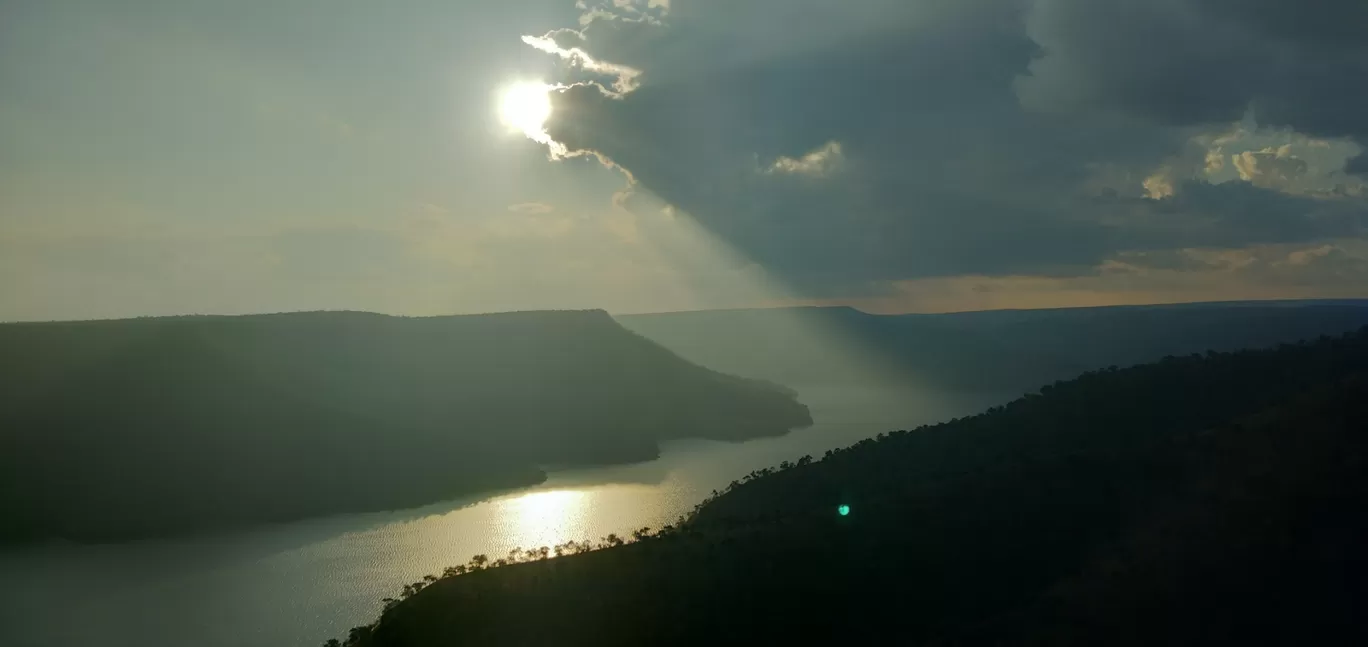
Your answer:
<point x="546" y="518"/>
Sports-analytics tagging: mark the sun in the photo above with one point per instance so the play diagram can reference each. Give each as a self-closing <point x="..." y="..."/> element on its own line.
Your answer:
<point x="525" y="107"/>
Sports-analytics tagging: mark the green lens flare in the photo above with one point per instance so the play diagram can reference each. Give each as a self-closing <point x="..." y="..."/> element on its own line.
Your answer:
<point x="843" y="509"/>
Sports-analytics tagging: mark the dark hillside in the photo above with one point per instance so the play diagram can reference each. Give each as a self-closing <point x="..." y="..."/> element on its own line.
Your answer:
<point x="1263" y="546"/>
<point x="1214" y="499"/>
<point x="147" y="426"/>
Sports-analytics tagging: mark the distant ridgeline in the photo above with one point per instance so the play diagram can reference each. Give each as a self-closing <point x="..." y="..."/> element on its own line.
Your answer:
<point x="1004" y="350"/>
<point x="1205" y="499"/>
<point x="141" y="427"/>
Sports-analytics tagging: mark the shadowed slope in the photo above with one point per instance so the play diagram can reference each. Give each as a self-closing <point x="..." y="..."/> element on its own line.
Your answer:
<point x="996" y="529"/>
<point x="136" y="427"/>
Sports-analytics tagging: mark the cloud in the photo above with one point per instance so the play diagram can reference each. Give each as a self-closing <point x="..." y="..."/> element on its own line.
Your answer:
<point x="1357" y="165"/>
<point x="625" y="76"/>
<point x="822" y="161"/>
<point x="1304" y="257"/>
<point x="987" y="137"/>
<point x="1205" y="61"/>
<point x="1159" y="185"/>
<point x="1280" y="159"/>
<point x="1269" y="167"/>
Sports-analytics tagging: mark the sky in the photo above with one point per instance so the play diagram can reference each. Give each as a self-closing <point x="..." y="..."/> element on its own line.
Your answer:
<point x="162" y="157"/>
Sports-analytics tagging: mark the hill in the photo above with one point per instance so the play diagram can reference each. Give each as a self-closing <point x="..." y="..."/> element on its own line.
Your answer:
<point x="1000" y="351"/>
<point x="131" y="428"/>
<point x="1213" y="499"/>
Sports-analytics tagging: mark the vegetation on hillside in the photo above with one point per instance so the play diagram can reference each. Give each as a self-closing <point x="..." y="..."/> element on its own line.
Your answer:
<point x="1213" y="499"/>
<point x="131" y="428"/>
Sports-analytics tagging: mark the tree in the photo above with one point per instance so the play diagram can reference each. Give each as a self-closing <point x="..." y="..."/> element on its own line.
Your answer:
<point x="358" y="634"/>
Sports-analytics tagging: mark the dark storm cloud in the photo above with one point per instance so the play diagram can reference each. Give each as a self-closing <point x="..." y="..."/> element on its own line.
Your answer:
<point x="1357" y="165"/>
<point x="1298" y="64"/>
<point x="1234" y="214"/>
<point x="843" y="143"/>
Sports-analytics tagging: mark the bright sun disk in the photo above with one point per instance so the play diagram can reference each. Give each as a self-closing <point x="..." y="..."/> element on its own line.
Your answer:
<point x="526" y="107"/>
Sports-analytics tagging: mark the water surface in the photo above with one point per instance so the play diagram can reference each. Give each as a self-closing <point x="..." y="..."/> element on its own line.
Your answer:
<point x="304" y="582"/>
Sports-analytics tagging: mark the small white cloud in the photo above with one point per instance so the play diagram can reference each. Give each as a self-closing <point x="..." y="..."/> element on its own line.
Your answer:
<point x="1159" y="185"/>
<point x="1215" y="161"/>
<point x="820" y="162"/>
<point x="626" y="76"/>
<point x="1270" y="167"/>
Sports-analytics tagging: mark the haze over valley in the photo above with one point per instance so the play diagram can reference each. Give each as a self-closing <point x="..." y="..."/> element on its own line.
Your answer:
<point x="683" y="322"/>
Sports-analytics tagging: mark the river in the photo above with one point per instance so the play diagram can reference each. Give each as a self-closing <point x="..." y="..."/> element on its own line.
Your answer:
<point x="301" y="583"/>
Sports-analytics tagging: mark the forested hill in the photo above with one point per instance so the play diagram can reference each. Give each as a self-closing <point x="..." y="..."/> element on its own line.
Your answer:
<point x="140" y="427"/>
<point x="1212" y="499"/>
<point x="1007" y="351"/>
